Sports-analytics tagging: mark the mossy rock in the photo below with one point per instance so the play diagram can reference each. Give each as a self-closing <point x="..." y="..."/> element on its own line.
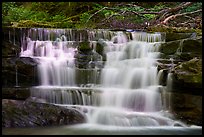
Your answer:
<point x="182" y="46"/>
<point x="187" y="107"/>
<point x="186" y="56"/>
<point x="170" y="47"/>
<point x="190" y="72"/>
<point x="84" y="47"/>
<point x="192" y="45"/>
<point x="100" y="46"/>
<point x="167" y="29"/>
<point x="177" y="36"/>
<point x="30" y="23"/>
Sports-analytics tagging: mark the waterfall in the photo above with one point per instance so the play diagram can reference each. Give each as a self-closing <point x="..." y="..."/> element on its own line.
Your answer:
<point x="56" y="61"/>
<point x="128" y="94"/>
<point x="129" y="82"/>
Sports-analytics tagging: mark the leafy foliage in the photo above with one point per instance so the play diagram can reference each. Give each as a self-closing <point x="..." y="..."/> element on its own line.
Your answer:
<point x="86" y="14"/>
<point x="193" y="7"/>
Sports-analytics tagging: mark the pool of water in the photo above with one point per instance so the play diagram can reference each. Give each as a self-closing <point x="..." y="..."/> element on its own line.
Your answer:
<point x="90" y="129"/>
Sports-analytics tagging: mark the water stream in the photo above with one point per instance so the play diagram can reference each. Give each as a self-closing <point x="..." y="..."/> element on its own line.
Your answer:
<point x="129" y="93"/>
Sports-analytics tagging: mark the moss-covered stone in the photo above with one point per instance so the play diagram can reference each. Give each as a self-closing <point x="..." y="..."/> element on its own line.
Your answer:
<point x="87" y="76"/>
<point x="83" y="55"/>
<point x="100" y="46"/>
<point x="192" y="45"/>
<point x="184" y="49"/>
<point x="170" y="47"/>
<point x="31" y="24"/>
<point x="190" y="72"/>
<point x="84" y="47"/>
<point x="187" y="108"/>
<point x="167" y="29"/>
<point x="177" y="36"/>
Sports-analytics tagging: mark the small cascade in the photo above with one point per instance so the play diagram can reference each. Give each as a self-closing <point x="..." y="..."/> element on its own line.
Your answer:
<point x="168" y="89"/>
<point x="16" y="69"/>
<point x="180" y="48"/>
<point x="56" y="61"/>
<point x="67" y="95"/>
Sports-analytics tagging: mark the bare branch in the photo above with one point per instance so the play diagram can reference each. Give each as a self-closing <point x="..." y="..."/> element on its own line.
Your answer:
<point x="177" y="15"/>
<point x="96" y="13"/>
<point x="165" y="12"/>
<point x="181" y="6"/>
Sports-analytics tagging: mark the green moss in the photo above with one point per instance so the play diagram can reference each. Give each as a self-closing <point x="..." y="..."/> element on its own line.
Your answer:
<point x="33" y="24"/>
<point x="190" y="71"/>
<point x="169" y="47"/>
<point x="194" y="65"/>
<point x="84" y="46"/>
<point x="163" y="28"/>
<point x="30" y="23"/>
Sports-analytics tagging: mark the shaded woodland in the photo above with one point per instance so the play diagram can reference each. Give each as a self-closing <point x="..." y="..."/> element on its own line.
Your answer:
<point x="115" y="15"/>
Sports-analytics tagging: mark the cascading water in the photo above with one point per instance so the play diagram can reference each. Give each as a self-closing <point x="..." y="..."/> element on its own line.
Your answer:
<point x="129" y="84"/>
<point x="56" y="61"/>
<point x="129" y="93"/>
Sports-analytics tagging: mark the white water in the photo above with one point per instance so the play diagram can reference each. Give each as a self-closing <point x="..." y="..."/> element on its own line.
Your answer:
<point x="56" y="61"/>
<point x="129" y="92"/>
<point x="130" y="89"/>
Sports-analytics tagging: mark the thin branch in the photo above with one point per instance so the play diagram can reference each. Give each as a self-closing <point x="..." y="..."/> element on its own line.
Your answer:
<point x="189" y="17"/>
<point x="96" y="13"/>
<point x="177" y="15"/>
<point x="181" y="6"/>
<point x="164" y="12"/>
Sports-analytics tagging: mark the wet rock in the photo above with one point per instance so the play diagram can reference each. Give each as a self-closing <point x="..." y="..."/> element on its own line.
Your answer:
<point x="180" y="48"/>
<point x="189" y="74"/>
<point x="192" y="45"/>
<point x="170" y="47"/>
<point x="84" y="47"/>
<point x="9" y="49"/>
<point x="83" y="55"/>
<point x="100" y="48"/>
<point x="177" y="36"/>
<point x="187" y="108"/>
<point x="33" y="114"/>
<point x="17" y="93"/>
<point x="19" y="71"/>
<point x="87" y="76"/>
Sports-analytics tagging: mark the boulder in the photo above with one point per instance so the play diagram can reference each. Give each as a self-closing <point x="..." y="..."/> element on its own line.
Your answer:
<point x="189" y="74"/>
<point x="83" y="55"/>
<point x="10" y="50"/>
<point x="32" y="114"/>
<point x="19" y="71"/>
<point x="17" y="93"/>
<point x="87" y="76"/>
<point x="100" y="45"/>
<point x="170" y="47"/>
<point x="184" y="49"/>
<point x="177" y="36"/>
<point x="187" y="108"/>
